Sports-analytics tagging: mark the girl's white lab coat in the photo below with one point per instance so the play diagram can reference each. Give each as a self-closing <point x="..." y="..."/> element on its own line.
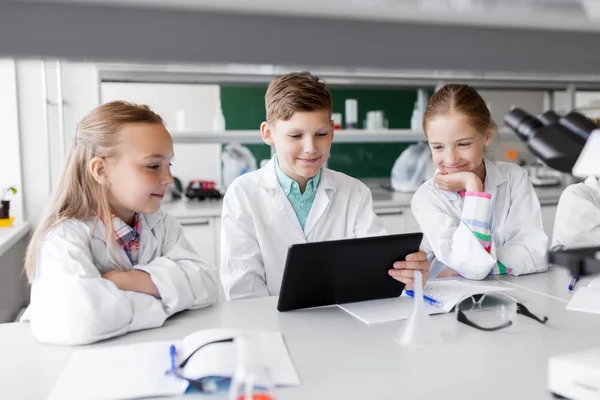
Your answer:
<point x="518" y="238"/>
<point x="72" y="304"/>
<point x="577" y="221"/>
<point x="259" y="225"/>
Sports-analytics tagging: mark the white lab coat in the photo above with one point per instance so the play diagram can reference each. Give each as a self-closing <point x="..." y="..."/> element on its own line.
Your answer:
<point x="72" y="304"/>
<point x="518" y="238"/>
<point x="577" y="221"/>
<point x="259" y="225"/>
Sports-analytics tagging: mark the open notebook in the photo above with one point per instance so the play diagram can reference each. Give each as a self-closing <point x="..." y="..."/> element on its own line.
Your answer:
<point x="138" y="370"/>
<point x="447" y="292"/>
<point x="587" y="298"/>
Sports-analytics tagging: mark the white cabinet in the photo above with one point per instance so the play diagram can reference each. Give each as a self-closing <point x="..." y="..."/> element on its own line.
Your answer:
<point x="203" y="234"/>
<point x="411" y="222"/>
<point x="398" y="220"/>
<point x="393" y="220"/>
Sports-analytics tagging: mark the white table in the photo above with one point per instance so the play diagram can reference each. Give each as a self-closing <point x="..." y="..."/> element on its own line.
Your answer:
<point x="553" y="283"/>
<point x="339" y="357"/>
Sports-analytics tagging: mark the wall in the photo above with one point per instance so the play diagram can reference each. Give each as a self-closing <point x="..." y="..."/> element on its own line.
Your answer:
<point x="500" y="102"/>
<point x="34" y="148"/>
<point x="10" y="156"/>
<point x="589" y="102"/>
<point x="243" y="107"/>
<point x="42" y="161"/>
<point x="197" y="102"/>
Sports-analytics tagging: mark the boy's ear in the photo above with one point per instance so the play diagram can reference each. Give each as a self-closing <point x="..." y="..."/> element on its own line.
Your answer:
<point x="266" y="133"/>
<point x="97" y="167"/>
<point x="332" y="127"/>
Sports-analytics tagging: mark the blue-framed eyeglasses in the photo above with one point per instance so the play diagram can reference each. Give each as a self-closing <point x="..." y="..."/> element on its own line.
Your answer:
<point x="204" y="384"/>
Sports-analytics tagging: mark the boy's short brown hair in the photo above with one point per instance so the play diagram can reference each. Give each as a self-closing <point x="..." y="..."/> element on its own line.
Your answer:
<point x="297" y="91"/>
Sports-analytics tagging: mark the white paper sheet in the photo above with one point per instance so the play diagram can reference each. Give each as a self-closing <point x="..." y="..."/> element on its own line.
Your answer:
<point x="139" y="370"/>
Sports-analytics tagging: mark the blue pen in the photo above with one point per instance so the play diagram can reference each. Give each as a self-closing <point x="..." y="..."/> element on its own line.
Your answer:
<point x="429" y="300"/>
<point x="173" y="354"/>
<point x="572" y="284"/>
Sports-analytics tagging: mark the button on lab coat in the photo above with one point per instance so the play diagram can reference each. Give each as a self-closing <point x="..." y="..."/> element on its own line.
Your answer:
<point x="577" y="222"/>
<point x="72" y="304"/>
<point x="259" y="225"/>
<point x="518" y="238"/>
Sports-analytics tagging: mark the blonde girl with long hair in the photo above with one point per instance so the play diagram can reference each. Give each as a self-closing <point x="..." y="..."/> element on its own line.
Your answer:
<point x="106" y="260"/>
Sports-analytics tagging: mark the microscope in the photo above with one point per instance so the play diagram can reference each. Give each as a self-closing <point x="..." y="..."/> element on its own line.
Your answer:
<point x="569" y="144"/>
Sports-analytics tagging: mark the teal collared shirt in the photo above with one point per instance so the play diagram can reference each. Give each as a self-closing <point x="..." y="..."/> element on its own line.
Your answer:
<point x="301" y="203"/>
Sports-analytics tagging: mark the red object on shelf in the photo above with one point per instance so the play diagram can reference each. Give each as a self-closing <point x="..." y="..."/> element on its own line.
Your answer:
<point x="256" y="396"/>
<point x="206" y="185"/>
<point x="201" y="189"/>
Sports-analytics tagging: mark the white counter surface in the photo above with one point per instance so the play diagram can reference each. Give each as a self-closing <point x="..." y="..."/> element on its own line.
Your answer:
<point x="383" y="199"/>
<point x="10" y="236"/>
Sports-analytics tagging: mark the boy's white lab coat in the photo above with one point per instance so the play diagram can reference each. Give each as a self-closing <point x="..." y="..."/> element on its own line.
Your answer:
<point x="577" y="221"/>
<point x="515" y="218"/>
<point x="259" y="225"/>
<point x="72" y="304"/>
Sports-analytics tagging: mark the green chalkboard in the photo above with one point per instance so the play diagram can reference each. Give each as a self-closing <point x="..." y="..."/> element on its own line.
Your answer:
<point x="244" y="109"/>
<point x="371" y="160"/>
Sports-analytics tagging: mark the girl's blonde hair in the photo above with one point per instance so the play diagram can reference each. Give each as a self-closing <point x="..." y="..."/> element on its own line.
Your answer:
<point x="78" y="194"/>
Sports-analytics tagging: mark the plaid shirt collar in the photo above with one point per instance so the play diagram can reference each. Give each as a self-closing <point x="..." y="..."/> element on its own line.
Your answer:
<point x="125" y="233"/>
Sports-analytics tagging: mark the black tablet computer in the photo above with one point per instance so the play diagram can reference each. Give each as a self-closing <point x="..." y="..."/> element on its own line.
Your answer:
<point x="343" y="271"/>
